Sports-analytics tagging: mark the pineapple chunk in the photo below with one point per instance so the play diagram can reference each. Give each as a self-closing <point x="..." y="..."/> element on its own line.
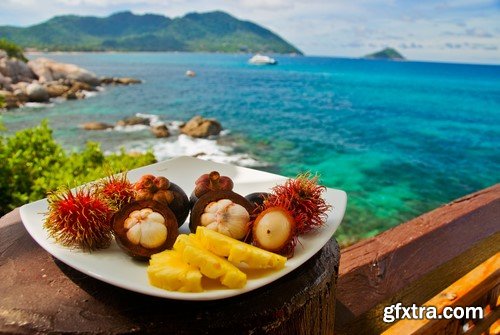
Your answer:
<point x="237" y="251"/>
<point x="168" y="271"/>
<point x="209" y="264"/>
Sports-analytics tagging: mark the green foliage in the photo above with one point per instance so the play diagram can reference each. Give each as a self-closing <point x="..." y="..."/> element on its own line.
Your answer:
<point x="12" y="50"/>
<point x="2" y="101"/>
<point x="125" y="31"/>
<point x="33" y="163"/>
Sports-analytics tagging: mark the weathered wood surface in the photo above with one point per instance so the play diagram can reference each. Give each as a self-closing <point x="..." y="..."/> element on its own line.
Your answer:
<point x="414" y="261"/>
<point x="464" y="292"/>
<point x="40" y="294"/>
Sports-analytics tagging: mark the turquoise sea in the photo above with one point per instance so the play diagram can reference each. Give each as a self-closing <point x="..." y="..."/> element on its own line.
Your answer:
<point x="400" y="137"/>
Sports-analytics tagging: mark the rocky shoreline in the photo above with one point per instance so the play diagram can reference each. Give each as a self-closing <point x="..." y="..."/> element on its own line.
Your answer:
<point x="43" y="79"/>
<point x="196" y="127"/>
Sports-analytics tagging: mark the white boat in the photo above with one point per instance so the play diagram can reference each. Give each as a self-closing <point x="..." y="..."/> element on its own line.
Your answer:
<point x="259" y="59"/>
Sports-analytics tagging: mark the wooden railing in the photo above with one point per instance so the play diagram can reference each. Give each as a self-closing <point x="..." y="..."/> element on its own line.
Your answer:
<point x="413" y="262"/>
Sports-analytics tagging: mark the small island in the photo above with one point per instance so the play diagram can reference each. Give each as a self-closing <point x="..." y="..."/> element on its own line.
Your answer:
<point x="387" y="54"/>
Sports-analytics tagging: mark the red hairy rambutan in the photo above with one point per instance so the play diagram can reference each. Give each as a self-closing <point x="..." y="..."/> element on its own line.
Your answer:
<point x="79" y="219"/>
<point x="117" y="189"/>
<point x="302" y="198"/>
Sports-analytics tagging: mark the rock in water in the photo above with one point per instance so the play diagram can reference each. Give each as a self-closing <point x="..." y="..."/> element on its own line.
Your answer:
<point x="119" y="81"/>
<point x="49" y="70"/>
<point x="127" y="81"/>
<point x="160" y="131"/>
<point x="37" y="93"/>
<point x="96" y="126"/>
<point x="132" y="121"/>
<point x="201" y="127"/>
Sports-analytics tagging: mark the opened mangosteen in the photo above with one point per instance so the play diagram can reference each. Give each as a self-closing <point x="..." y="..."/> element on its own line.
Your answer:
<point x="165" y="192"/>
<point x="146" y="227"/>
<point x="208" y="182"/>
<point x="223" y="211"/>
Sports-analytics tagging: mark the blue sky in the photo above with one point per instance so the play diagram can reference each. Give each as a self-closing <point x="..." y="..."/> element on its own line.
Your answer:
<point x="454" y="31"/>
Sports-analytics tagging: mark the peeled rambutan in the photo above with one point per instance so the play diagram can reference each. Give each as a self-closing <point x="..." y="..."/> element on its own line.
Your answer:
<point x="117" y="189"/>
<point x="302" y="198"/>
<point x="79" y="219"/>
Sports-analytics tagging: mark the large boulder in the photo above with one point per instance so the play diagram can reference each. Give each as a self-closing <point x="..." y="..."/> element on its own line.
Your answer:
<point x="16" y="70"/>
<point x="49" y="70"/>
<point x="37" y="92"/>
<point x="201" y="127"/>
<point x="19" y="90"/>
<point x="96" y="126"/>
<point x="5" y="83"/>
<point x="55" y="89"/>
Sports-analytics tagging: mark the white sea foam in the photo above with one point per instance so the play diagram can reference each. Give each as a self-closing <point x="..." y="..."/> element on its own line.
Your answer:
<point x="129" y="129"/>
<point x="154" y="120"/>
<point x="38" y="104"/>
<point x="182" y="145"/>
<point x="90" y="94"/>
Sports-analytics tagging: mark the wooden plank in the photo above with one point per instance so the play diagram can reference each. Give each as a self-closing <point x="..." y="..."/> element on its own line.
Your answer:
<point x="463" y="292"/>
<point x="375" y="272"/>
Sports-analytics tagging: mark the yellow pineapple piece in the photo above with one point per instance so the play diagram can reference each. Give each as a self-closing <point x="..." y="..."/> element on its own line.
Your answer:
<point x="238" y="252"/>
<point x="209" y="264"/>
<point x="168" y="271"/>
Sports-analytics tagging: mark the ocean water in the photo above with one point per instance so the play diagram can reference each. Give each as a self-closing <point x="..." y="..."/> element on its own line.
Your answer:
<point x="400" y="138"/>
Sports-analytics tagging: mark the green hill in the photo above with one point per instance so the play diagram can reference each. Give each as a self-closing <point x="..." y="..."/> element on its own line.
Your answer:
<point x="387" y="53"/>
<point x="214" y="32"/>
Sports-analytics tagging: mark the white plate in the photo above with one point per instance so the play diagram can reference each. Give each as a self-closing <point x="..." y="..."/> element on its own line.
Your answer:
<point x="114" y="267"/>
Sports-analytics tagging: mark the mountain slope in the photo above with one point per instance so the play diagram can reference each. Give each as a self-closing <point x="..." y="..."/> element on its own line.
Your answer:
<point x="214" y="32"/>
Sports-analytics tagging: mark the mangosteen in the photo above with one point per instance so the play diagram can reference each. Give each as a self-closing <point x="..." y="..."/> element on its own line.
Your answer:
<point x="146" y="227"/>
<point x="207" y="182"/>
<point x="165" y="192"/>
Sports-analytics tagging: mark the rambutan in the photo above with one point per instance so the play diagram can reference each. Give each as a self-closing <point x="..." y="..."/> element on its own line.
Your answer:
<point x="291" y="209"/>
<point x="79" y="219"/>
<point x="117" y="189"/>
<point x="302" y="198"/>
